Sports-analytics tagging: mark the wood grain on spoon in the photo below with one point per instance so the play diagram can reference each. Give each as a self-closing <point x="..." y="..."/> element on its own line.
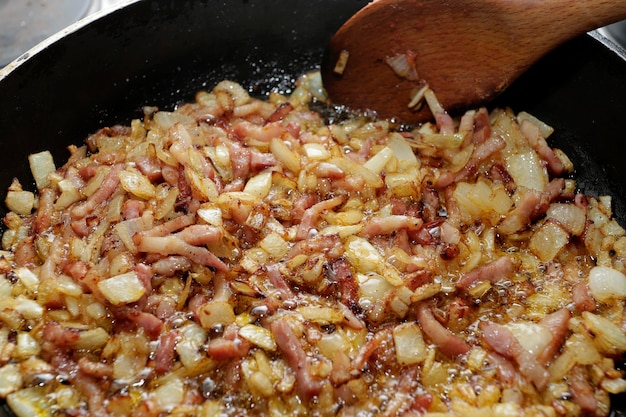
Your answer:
<point x="467" y="51"/>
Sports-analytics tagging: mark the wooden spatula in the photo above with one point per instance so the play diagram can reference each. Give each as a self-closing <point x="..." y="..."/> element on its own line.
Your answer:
<point x="466" y="51"/>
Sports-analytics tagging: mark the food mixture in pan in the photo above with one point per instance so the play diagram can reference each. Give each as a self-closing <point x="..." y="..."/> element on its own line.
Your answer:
<point x="239" y="257"/>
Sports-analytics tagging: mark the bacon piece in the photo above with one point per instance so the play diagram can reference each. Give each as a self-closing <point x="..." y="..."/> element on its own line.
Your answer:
<point x="25" y="254"/>
<point x="339" y="271"/>
<point x="582" y="392"/>
<point x="557" y="323"/>
<point x="93" y="389"/>
<point x="150" y="167"/>
<point x="261" y="160"/>
<point x="265" y="133"/>
<point x="165" y="352"/>
<point x="144" y="274"/>
<point x="482" y="126"/>
<point x="280" y="113"/>
<point x="43" y="219"/>
<point x="503" y="342"/>
<point x="328" y="170"/>
<point x="504" y="368"/>
<point x="169" y="265"/>
<point x="481" y="153"/>
<point x="132" y="209"/>
<point x="200" y="234"/>
<point x="239" y="159"/>
<point x="288" y="343"/>
<point x="447" y="342"/>
<point x="498" y="173"/>
<point x="532" y="205"/>
<point x="583" y="300"/>
<point x="59" y="336"/>
<point x="222" y="349"/>
<point x="493" y="271"/>
<point x="330" y="245"/>
<point x="173" y="245"/>
<point x="106" y="189"/>
<point x="147" y="321"/>
<point x="279" y="283"/>
<point x="95" y="369"/>
<point x="310" y="216"/>
<point x="389" y="224"/>
<point x="532" y="133"/>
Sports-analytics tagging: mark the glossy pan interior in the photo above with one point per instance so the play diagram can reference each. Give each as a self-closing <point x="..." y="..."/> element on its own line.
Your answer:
<point x="160" y="52"/>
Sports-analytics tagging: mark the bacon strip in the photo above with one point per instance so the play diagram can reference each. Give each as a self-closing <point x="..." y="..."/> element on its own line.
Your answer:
<point x="173" y="245"/>
<point x="106" y="189"/>
<point x="389" y="224"/>
<point x="447" y="342"/>
<point x="493" y="271"/>
<point x="310" y="216"/>
<point x="289" y="345"/>
<point x="557" y="323"/>
<point x="503" y="342"/>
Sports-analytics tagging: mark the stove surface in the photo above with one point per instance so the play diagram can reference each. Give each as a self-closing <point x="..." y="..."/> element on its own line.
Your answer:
<point x="25" y="23"/>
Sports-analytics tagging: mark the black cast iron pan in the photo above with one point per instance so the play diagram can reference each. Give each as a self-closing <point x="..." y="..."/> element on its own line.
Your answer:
<point x="101" y="71"/>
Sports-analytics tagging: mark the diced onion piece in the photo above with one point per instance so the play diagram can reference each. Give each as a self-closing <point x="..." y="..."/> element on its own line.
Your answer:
<point x="316" y="151"/>
<point x="608" y="337"/>
<point x="170" y="393"/>
<point x="136" y="183"/>
<point x="92" y="339"/>
<point x="545" y="129"/>
<point x="409" y="344"/>
<point x="188" y="347"/>
<point x="527" y="170"/>
<point x="342" y="61"/>
<point x="607" y="284"/>
<point x="403" y="65"/>
<point x="362" y="254"/>
<point x="10" y="379"/>
<point x="28" y="308"/>
<point x="570" y="216"/>
<point x="341" y="231"/>
<point x="444" y="141"/>
<point x="28" y="278"/>
<point x="30" y="402"/>
<point x="275" y="245"/>
<point x="377" y="162"/>
<point x="285" y="155"/>
<point x="20" y="202"/>
<point x="211" y="214"/>
<point x="532" y="336"/>
<point x="323" y="315"/>
<point x="259" y="185"/>
<point x="548" y="241"/>
<point x="26" y="345"/>
<point x="69" y="194"/>
<point x="122" y="289"/>
<point x="373" y="286"/>
<point x="260" y="336"/>
<point x="41" y="165"/>
<point x="403" y="152"/>
<point x="216" y="313"/>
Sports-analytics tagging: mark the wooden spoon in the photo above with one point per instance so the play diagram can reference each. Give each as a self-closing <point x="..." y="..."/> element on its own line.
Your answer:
<point x="466" y="51"/>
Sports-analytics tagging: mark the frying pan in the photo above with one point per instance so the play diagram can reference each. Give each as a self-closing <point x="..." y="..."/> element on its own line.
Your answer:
<point x="102" y="70"/>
